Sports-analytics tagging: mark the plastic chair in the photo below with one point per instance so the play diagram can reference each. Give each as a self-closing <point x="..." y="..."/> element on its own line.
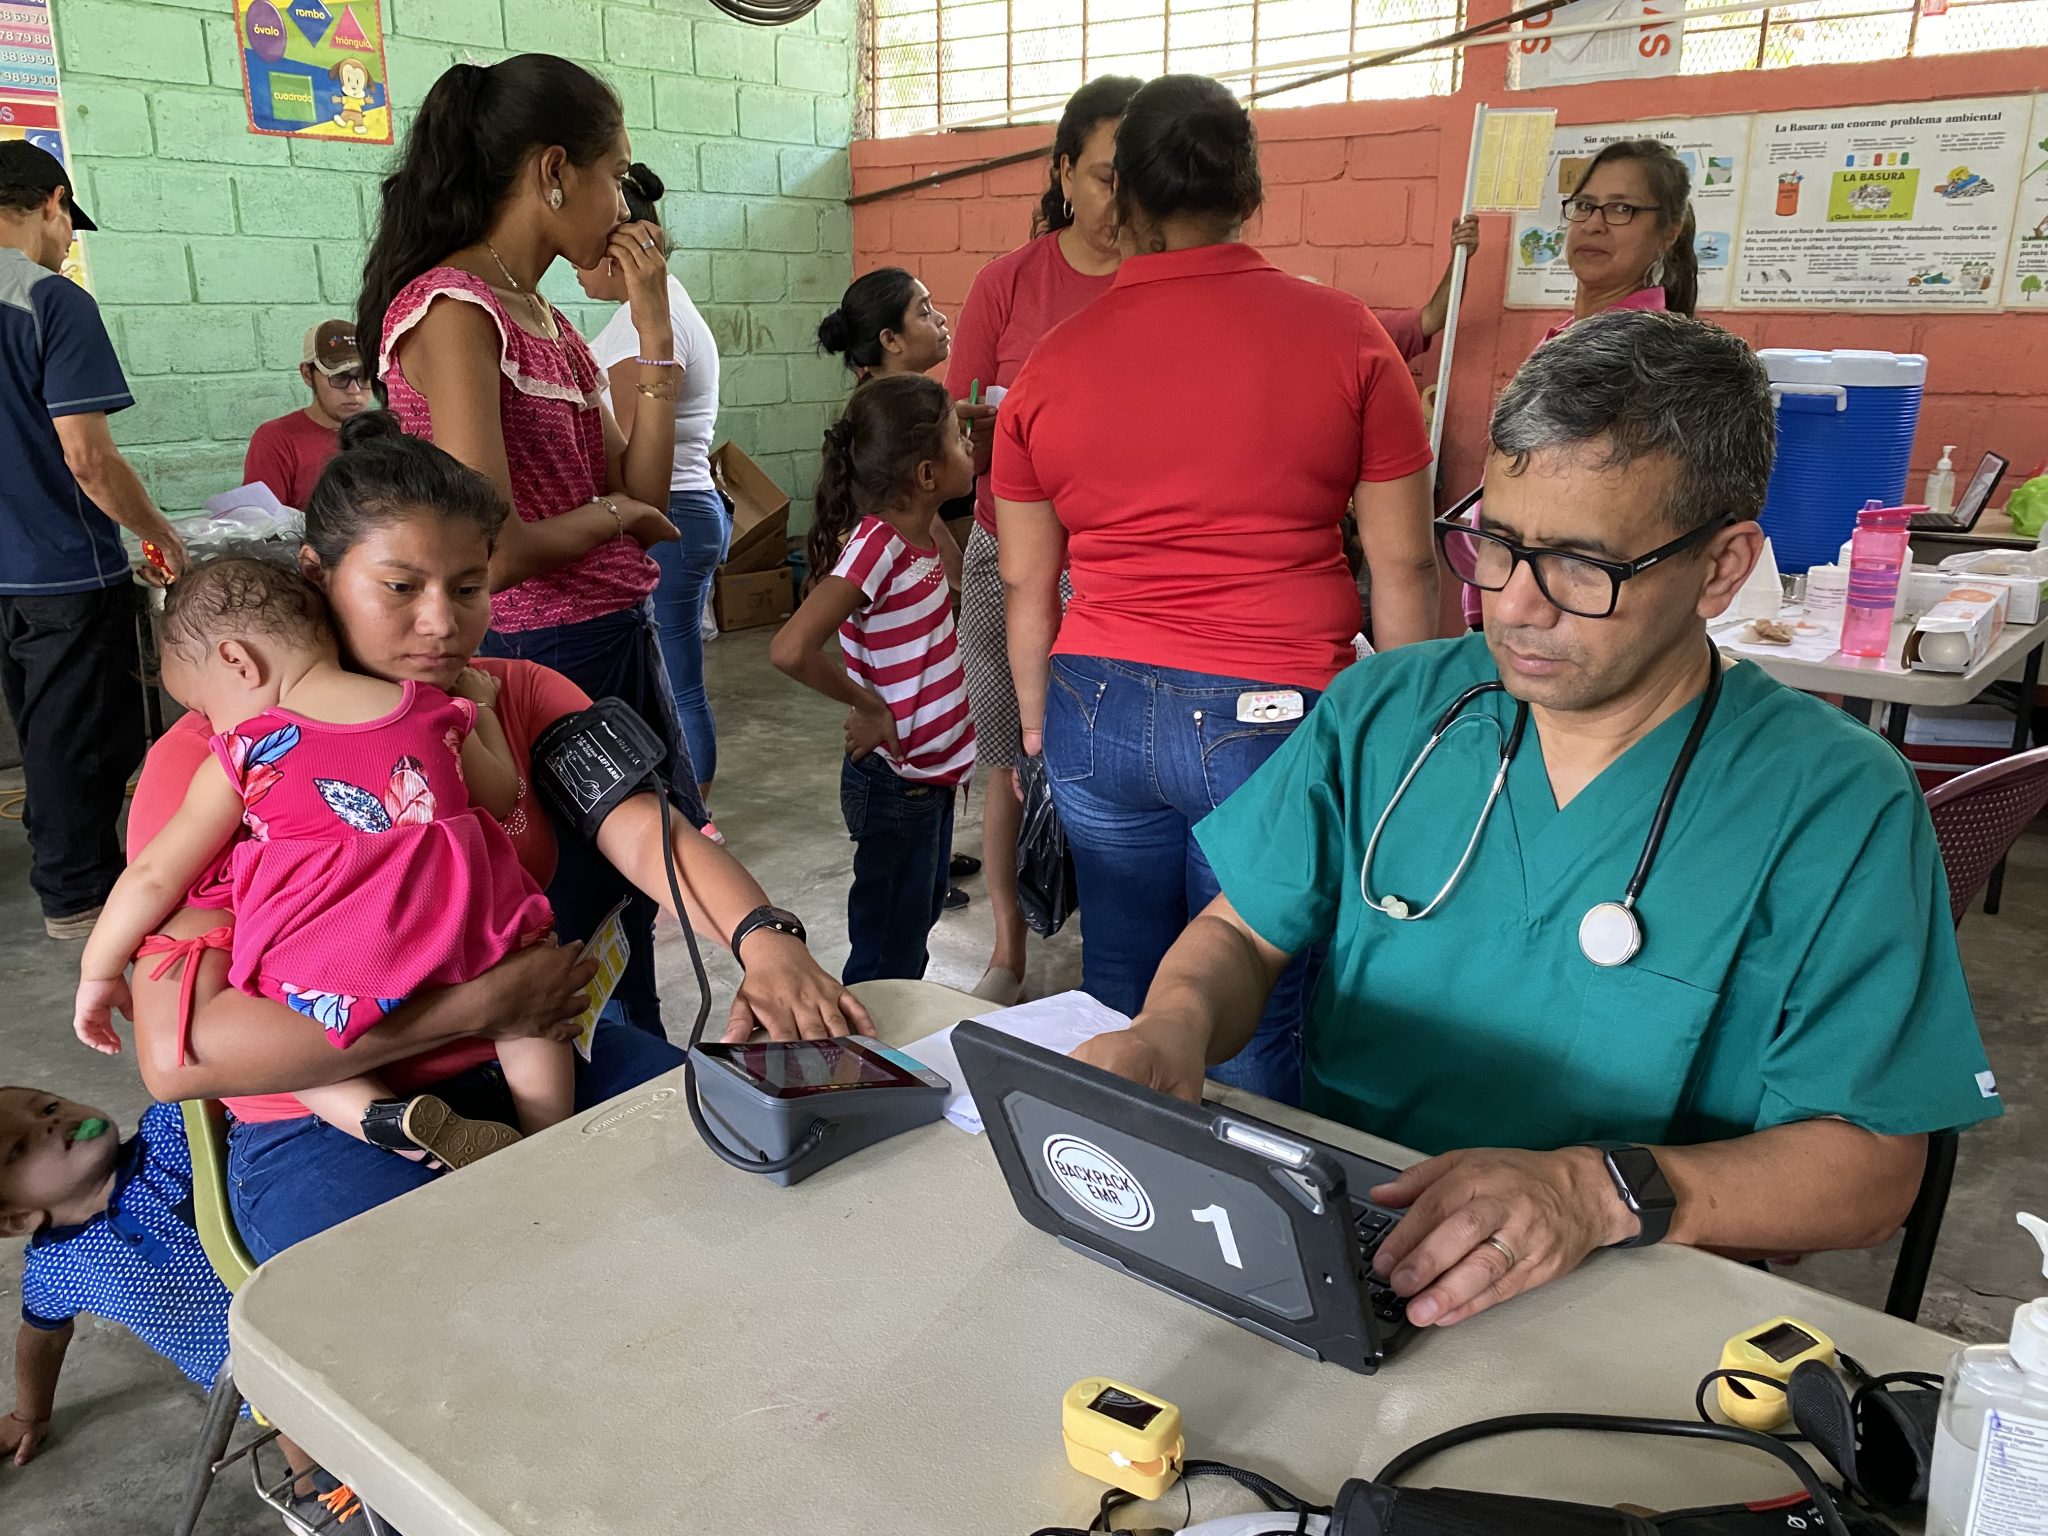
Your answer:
<point x="1978" y="816"/>
<point x="206" y="1133"/>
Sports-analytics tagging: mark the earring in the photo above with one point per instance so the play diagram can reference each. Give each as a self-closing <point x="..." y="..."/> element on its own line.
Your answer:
<point x="554" y="197"/>
<point x="1656" y="273"/>
<point x="1067" y="209"/>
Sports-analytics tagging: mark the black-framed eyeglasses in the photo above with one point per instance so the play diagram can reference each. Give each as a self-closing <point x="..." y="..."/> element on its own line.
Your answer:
<point x="1615" y="214"/>
<point x="1580" y="585"/>
<point x="351" y="379"/>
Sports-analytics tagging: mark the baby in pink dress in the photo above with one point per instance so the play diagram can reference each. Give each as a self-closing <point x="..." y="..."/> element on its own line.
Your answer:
<point x="372" y="865"/>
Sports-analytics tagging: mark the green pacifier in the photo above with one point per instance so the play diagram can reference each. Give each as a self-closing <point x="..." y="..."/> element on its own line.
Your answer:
<point x="89" y="1129"/>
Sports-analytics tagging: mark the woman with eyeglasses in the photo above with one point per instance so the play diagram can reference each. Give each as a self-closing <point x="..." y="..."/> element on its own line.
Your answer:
<point x="1629" y="231"/>
<point x="1629" y="241"/>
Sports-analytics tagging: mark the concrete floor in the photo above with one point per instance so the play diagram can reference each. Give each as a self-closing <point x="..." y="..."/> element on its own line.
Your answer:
<point x="126" y="1420"/>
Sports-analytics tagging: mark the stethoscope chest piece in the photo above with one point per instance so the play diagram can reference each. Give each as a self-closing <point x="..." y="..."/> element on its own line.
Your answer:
<point x="1609" y="934"/>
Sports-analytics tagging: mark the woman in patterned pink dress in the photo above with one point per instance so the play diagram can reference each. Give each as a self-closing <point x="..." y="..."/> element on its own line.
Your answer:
<point x="506" y="169"/>
<point x="355" y="820"/>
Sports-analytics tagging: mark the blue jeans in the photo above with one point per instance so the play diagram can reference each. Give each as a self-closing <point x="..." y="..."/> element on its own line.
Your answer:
<point x="614" y="656"/>
<point x="1137" y="755"/>
<point x="288" y="1179"/>
<point x="705" y="522"/>
<point x="902" y="843"/>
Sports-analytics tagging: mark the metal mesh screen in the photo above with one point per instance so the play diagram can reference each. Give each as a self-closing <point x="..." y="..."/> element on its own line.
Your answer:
<point x="1854" y="32"/>
<point x="946" y="63"/>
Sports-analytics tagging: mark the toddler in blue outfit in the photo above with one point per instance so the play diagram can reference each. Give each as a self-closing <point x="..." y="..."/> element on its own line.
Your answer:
<point x="109" y="1224"/>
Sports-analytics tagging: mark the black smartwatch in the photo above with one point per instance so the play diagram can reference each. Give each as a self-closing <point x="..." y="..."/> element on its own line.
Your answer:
<point x="1642" y="1187"/>
<point x="773" y="918"/>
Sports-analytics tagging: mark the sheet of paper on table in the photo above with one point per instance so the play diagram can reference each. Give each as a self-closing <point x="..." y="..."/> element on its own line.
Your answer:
<point x="1729" y="635"/>
<point x="609" y="947"/>
<point x="1058" y="1023"/>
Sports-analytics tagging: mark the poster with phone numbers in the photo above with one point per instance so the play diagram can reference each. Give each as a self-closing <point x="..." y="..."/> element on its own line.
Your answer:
<point x="31" y="105"/>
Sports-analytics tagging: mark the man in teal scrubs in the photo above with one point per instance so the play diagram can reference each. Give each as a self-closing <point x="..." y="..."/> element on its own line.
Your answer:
<point x="1762" y="1074"/>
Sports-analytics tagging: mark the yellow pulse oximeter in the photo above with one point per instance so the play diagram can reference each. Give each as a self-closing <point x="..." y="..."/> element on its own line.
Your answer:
<point x="1773" y="1349"/>
<point x="1121" y="1436"/>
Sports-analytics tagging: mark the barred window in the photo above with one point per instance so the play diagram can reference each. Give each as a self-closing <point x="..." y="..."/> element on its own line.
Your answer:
<point x="951" y="63"/>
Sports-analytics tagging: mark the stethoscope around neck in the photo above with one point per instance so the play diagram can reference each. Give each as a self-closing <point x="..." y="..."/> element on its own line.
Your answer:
<point x="1610" y="934"/>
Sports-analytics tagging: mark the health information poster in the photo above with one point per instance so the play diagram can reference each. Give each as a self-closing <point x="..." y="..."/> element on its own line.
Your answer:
<point x="1715" y="150"/>
<point x="1898" y="207"/>
<point x="2026" y="270"/>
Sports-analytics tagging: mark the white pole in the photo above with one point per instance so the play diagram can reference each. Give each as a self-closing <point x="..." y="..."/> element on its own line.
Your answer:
<point x="1457" y="296"/>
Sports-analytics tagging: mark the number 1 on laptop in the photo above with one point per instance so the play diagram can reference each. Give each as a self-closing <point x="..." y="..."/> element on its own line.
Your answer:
<point x="1216" y="1216"/>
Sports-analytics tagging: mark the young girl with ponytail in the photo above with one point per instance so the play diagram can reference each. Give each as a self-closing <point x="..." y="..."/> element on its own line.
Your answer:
<point x="506" y="168"/>
<point x="898" y="451"/>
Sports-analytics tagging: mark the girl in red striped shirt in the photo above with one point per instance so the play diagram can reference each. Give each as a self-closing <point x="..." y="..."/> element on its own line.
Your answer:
<point x="893" y="456"/>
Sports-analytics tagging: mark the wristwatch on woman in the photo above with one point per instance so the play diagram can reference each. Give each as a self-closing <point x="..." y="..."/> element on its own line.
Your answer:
<point x="774" y="918"/>
<point x="1642" y="1187"/>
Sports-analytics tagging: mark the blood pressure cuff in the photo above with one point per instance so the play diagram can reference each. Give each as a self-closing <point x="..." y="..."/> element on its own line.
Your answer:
<point x="588" y="764"/>
<point x="1375" y="1509"/>
<point x="1881" y="1440"/>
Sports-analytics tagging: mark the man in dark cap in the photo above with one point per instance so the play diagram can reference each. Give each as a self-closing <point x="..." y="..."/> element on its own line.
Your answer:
<point x="68" y="661"/>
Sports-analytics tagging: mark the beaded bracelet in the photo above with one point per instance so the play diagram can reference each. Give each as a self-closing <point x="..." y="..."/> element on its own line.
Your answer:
<point x="657" y="362"/>
<point x="612" y="507"/>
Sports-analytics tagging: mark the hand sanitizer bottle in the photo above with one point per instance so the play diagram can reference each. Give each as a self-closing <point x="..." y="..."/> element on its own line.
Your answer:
<point x="1990" y="1475"/>
<point x="1941" y="485"/>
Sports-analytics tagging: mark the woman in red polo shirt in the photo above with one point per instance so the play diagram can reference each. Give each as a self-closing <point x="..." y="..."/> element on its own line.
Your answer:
<point x="1066" y="265"/>
<point x="1189" y="447"/>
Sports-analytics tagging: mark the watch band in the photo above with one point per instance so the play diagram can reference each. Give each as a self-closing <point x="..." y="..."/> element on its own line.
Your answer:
<point x="1642" y="1187"/>
<point x="773" y="918"/>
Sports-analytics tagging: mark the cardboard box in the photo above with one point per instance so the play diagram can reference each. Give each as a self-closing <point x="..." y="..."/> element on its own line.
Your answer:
<point x="750" y="599"/>
<point x="2024" y="575"/>
<point x="1956" y="633"/>
<point x="760" y="513"/>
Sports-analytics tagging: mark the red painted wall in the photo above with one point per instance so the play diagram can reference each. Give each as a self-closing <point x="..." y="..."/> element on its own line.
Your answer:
<point x="1362" y="195"/>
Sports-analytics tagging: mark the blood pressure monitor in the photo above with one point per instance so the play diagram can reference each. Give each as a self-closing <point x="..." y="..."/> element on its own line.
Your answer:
<point x="772" y="1099"/>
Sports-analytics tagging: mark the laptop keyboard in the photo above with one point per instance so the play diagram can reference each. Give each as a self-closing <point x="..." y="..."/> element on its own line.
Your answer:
<point x="1373" y="1225"/>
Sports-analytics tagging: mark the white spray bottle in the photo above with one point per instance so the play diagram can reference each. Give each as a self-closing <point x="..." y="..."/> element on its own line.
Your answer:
<point x="1990" y="1475"/>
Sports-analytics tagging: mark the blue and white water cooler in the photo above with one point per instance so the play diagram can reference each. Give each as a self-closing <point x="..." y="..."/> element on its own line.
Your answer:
<point x="1845" y="435"/>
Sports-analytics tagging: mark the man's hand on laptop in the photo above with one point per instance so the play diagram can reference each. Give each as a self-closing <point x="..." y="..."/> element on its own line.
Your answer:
<point x="1487" y="1224"/>
<point x="1159" y="1054"/>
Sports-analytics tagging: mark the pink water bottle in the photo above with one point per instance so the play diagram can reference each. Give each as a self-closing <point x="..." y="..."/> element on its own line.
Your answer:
<point x="1878" y="559"/>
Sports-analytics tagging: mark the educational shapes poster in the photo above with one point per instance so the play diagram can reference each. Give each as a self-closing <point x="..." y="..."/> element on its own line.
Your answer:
<point x="2026" y="270"/>
<point x="314" y="69"/>
<point x="1889" y="207"/>
<point x="1715" y="151"/>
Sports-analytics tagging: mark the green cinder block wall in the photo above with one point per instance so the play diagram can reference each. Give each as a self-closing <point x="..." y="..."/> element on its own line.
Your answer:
<point x="218" y="247"/>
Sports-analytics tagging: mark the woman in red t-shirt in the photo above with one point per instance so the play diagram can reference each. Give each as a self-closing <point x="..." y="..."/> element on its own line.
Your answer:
<point x="1187" y="447"/>
<point x="394" y="542"/>
<point x="1015" y="300"/>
